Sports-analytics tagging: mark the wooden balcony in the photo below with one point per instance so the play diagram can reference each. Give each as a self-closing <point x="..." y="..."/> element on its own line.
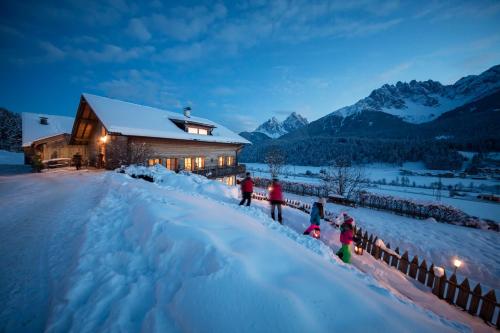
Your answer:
<point x="217" y="172"/>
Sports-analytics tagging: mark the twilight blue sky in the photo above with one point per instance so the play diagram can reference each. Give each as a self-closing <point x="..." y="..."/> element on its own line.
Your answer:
<point x="239" y="62"/>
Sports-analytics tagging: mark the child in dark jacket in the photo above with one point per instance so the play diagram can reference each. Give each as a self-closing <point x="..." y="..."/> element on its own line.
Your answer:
<point x="317" y="213"/>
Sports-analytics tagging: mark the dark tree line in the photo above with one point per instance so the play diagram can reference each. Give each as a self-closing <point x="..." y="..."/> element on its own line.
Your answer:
<point x="10" y="130"/>
<point x="322" y="151"/>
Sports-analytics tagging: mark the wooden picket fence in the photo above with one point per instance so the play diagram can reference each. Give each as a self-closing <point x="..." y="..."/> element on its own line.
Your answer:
<point x="473" y="301"/>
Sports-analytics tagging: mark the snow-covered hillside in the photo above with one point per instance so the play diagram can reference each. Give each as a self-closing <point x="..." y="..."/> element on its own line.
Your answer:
<point x="419" y="102"/>
<point x="104" y="252"/>
<point x="274" y="128"/>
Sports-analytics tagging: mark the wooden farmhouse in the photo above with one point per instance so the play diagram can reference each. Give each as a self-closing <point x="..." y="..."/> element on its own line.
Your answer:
<point x="108" y="133"/>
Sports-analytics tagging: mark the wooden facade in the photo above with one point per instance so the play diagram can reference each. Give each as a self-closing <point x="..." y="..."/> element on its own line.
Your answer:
<point x="102" y="148"/>
<point x="54" y="147"/>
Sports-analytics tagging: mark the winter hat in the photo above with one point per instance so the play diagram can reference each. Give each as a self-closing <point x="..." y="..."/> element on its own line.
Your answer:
<point x="348" y="219"/>
<point x="321" y="201"/>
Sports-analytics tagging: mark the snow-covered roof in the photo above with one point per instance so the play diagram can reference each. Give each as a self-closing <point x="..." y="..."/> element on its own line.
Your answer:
<point x="139" y="120"/>
<point x="33" y="130"/>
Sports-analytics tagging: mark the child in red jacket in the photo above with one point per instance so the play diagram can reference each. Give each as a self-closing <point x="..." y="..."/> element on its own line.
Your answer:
<point x="276" y="199"/>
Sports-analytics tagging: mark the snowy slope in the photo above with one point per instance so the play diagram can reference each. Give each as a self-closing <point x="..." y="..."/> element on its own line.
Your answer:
<point x="175" y="256"/>
<point x="422" y="101"/>
<point x="32" y="129"/>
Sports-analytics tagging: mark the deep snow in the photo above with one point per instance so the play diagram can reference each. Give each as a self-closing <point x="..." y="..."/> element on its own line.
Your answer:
<point x="102" y="251"/>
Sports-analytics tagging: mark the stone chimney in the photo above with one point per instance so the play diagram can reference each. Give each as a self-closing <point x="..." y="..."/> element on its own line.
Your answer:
<point x="187" y="111"/>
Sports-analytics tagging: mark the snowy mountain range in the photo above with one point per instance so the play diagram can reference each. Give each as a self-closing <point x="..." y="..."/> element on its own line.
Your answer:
<point x="273" y="128"/>
<point x="414" y="121"/>
<point x="423" y="101"/>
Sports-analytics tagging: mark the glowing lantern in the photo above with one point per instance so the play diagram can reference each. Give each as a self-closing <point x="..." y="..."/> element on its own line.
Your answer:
<point x="270" y="188"/>
<point x="104" y="138"/>
<point x="457" y="263"/>
<point x="358" y="249"/>
<point x="316" y="233"/>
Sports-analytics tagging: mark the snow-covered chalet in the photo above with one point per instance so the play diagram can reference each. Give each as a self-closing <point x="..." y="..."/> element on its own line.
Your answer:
<point x="109" y="133"/>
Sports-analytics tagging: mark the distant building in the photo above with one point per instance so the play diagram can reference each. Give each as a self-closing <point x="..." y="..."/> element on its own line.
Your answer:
<point x="47" y="136"/>
<point x="109" y="133"/>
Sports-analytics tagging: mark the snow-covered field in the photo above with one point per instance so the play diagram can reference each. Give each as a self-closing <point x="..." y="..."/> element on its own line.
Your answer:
<point x="89" y="251"/>
<point x="376" y="172"/>
<point x="11" y="158"/>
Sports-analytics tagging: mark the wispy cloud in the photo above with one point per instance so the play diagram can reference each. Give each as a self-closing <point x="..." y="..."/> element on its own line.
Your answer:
<point x="393" y="72"/>
<point x="187" y="23"/>
<point x="137" y="29"/>
<point x="141" y="86"/>
<point x="110" y="53"/>
<point x="223" y="91"/>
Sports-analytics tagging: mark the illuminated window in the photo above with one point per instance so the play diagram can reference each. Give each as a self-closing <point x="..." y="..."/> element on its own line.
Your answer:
<point x="220" y="162"/>
<point x="171" y="163"/>
<point x="230" y="160"/>
<point x="188" y="164"/>
<point x="230" y="180"/>
<point x="199" y="163"/>
<point x="153" y="161"/>
<point x="196" y="130"/>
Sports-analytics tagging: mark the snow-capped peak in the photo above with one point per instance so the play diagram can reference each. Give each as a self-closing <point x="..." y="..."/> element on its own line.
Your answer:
<point x="294" y="121"/>
<point x="423" y="101"/>
<point x="274" y="128"/>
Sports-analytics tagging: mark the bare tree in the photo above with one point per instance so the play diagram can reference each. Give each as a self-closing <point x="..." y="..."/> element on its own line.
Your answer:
<point x="117" y="153"/>
<point x="139" y="153"/>
<point x="343" y="179"/>
<point x="275" y="160"/>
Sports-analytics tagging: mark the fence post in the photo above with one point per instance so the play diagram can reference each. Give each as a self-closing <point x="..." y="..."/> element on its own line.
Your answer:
<point x="403" y="263"/>
<point x="395" y="259"/>
<point x="488" y="306"/>
<point x="365" y="241"/>
<point x="430" y="279"/>
<point x="387" y="255"/>
<point x="369" y="246"/>
<point x="474" y="302"/>
<point x="452" y="288"/>
<point x="413" y="267"/>
<point x="463" y="294"/>
<point x="374" y="248"/>
<point x="422" y="272"/>
<point x="439" y="285"/>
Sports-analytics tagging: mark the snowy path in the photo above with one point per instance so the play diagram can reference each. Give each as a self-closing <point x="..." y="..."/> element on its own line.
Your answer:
<point x="36" y="243"/>
<point x="105" y="252"/>
<point x="388" y="276"/>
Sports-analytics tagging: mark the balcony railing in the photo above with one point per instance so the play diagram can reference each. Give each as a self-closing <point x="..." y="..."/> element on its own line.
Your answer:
<point x="216" y="172"/>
